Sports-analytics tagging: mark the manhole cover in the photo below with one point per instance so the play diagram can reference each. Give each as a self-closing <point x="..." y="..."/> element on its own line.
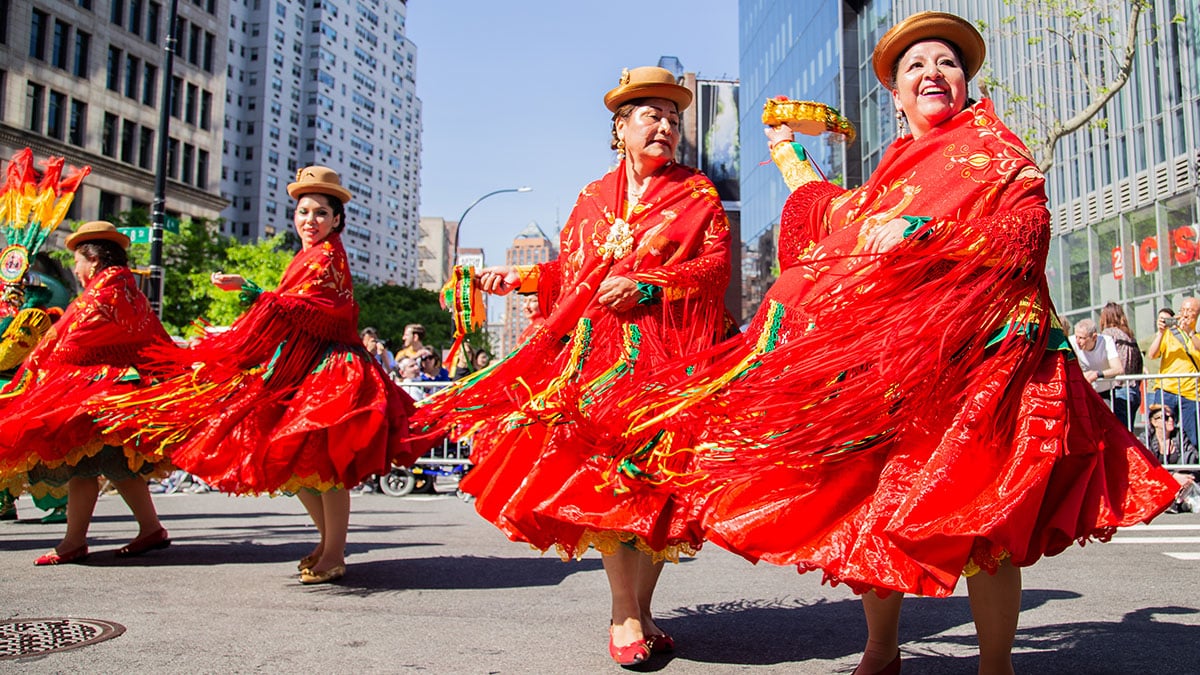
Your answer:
<point x="20" y="638"/>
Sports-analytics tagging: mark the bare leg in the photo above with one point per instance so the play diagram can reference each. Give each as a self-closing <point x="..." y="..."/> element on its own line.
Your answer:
<point x="996" y="606"/>
<point x="136" y="494"/>
<point x="622" y="568"/>
<point x="883" y="631"/>
<point x="82" y="494"/>
<point x="335" y="507"/>
<point x="647" y="580"/>
<point x="316" y="511"/>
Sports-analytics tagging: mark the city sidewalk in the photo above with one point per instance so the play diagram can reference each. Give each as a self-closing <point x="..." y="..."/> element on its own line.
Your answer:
<point x="433" y="588"/>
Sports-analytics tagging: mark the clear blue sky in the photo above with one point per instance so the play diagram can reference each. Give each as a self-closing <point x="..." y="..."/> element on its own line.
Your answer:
<point x="512" y="95"/>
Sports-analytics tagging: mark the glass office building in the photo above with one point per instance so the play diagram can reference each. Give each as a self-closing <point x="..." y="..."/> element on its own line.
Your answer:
<point x="1123" y="194"/>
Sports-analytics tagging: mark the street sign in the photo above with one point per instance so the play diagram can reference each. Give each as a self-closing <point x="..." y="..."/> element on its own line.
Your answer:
<point x="137" y="235"/>
<point x="141" y="235"/>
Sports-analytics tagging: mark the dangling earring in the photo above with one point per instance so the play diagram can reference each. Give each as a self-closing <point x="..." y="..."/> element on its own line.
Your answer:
<point x="621" y="147"/>
<point x="901" y="124"/>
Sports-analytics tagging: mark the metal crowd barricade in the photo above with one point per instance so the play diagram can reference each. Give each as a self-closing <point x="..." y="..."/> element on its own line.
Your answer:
<point x="450" y="456"/>
<point x="1149" y="386"/>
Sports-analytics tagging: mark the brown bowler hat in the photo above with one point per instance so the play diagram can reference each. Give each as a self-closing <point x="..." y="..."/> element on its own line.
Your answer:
<point x="97" y="230"/>
<point x="321" y="180"/>
<point x="928" y="26"/>
<point x="647" y="82"/>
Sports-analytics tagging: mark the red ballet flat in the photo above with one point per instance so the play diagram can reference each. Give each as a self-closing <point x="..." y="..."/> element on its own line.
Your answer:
<point x="661" y="644"/>
<point x="629" y="655"/>
<point x="56" y="558"/>
<point x="156" y="539"/>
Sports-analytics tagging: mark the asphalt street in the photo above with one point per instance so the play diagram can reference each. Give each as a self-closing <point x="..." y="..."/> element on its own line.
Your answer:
<point x="433" y="588"/>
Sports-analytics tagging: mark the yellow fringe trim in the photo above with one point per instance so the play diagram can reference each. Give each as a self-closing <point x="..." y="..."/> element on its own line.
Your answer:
<point x="608" y="542"/>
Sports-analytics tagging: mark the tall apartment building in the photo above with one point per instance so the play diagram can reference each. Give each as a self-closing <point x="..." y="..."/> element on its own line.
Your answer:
<point x="435" y="252"/>
<point x="331" y="82"/>
<point x="84" y="79"/>
<point x="1124" y="195"/>
<point x="529" y="247"/>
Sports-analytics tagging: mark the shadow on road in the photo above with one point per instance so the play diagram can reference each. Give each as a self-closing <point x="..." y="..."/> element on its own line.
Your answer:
<point x="770" y="632"/>
<point x="457" y="573"/>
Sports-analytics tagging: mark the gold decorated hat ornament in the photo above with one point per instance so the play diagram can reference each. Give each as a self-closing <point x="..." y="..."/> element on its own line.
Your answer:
<point x="320" y="180"/>
<point x="807" y="117"/>
<point x="647" y="82"/>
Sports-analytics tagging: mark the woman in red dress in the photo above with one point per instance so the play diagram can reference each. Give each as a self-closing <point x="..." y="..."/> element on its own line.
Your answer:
<point x="99" y="346"/>
<point x="286" y="400"/>
<point x="905" y="409"/>
<point x="642" y="269"/>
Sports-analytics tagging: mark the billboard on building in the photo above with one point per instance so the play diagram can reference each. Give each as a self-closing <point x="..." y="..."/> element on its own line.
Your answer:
<point x="718" y="131"/>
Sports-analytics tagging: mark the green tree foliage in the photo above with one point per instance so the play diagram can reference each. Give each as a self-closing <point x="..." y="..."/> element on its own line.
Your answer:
<point x="1088" y="46"/>
<point x="390" y="308"/>
<point x="262" y="262"/>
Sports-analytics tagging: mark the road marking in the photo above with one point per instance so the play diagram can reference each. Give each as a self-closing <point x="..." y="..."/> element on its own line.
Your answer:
<point x="1160" y="527"/>
<point x="1155" y="540"/>
<point x="1184" y="556"/>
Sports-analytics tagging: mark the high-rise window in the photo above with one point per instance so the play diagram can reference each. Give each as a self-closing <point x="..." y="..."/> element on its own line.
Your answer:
<point x="78" y="129"/>
<point x="150" y="84"/>
<point x="202" y="169"/>
<point x="37" y="34"/>
<point x="117" y="12"/>
<point x="153" y="14"/>
<point x="113" y="80"/>
<point x="176" y="96"/>
<point x="189" y="161"/>
<point x="194" y="45"/>
<point x="135" y="17"/>
<point x="209" y="41"/>
<point x="146" y="148"/>
<point x="56" y="116"/>
<point x="133" y="71"/>
<point x="61" y="44"/>
<point x="83" y="45"/>
<point x="108" y="140"/>
<point x="35" y="101"/>
<point x="173" y="158"/>
<point x="191" y="103"/>
<point x="205" y="110"/>
<point x="128" y="141"/>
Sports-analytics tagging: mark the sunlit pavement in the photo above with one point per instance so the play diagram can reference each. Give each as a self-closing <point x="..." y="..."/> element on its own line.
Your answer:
<point x="433" y="588"/>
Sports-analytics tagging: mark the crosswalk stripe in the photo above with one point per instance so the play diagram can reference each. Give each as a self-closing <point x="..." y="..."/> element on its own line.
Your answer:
<point x="1155" y="540"/>
<point x="1184" y="556"/>
<point x="1161" y="527"/>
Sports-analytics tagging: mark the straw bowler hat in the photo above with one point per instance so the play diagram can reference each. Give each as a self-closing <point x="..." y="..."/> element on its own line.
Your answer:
<point x="647" y="82"/>
<point x="321" y="180"/>
<point x="928" y="26"/>
<point x="97" y="230"/>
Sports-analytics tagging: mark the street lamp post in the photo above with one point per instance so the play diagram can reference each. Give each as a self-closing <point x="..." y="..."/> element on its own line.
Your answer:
<point x="158" y="209"/>
<point x="458" y="225"/>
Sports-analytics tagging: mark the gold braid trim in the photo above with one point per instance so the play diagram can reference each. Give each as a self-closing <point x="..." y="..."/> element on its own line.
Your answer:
<point x="609" y="542"/>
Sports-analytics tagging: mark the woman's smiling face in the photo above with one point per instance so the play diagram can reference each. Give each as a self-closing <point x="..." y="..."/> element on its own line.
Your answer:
<point x="931" y="85"/>
<point x="314" y="219"/>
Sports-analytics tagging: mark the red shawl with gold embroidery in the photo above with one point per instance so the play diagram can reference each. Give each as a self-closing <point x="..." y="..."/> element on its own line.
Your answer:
<point x="110" y="323"/>
<point x="675" y="243"/>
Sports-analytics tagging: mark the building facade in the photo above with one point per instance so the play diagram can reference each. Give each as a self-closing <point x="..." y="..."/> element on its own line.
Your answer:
<point x="530" y="247"/>
<point x="84" y="80"/>
<point x="435" y="252"/>
<point x="1123" y="192"/>
<point x="333" y="83"/>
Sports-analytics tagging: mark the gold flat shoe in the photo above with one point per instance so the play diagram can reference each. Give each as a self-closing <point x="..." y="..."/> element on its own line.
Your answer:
<point x="307" y="562"/>
<point x="309" y="576"/>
